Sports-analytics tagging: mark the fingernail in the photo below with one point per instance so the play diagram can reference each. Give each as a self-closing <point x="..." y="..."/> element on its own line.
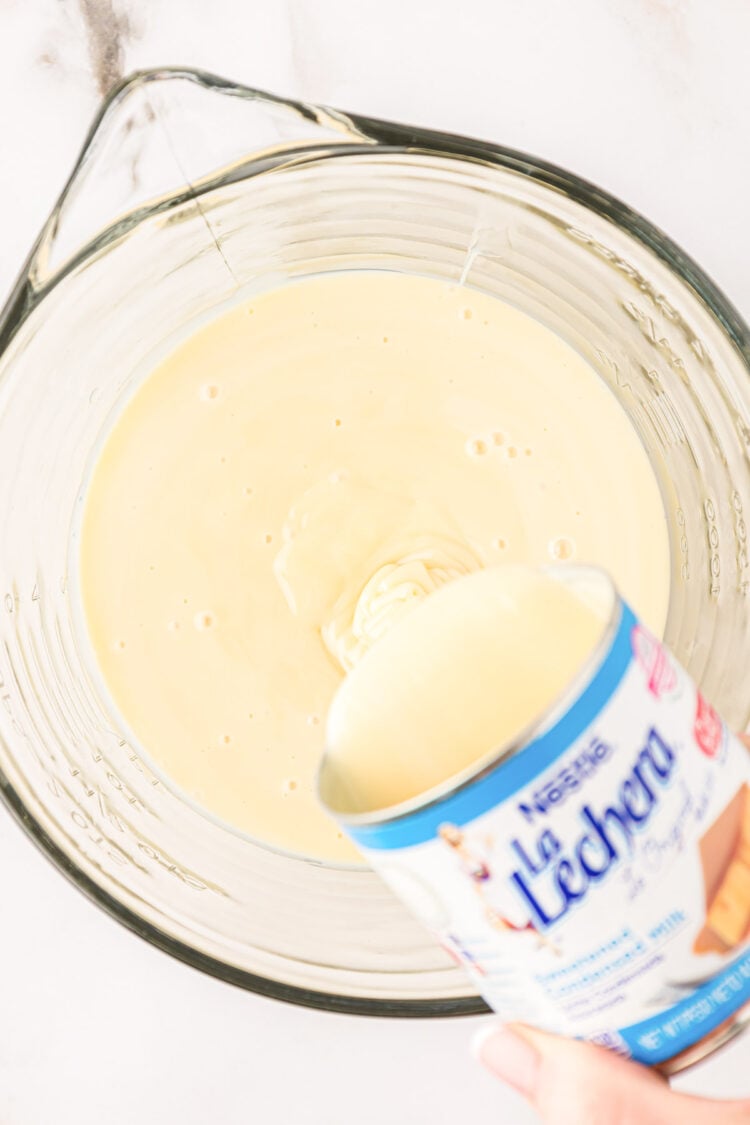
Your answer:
<point x="509" y="1057"/>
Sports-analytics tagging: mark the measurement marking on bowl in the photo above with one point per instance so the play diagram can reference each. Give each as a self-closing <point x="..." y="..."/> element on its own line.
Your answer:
<point x="740" y="531"/>
<point x="712" y="535"/>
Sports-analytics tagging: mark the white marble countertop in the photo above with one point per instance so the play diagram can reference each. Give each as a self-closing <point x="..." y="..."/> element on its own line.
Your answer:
<point x="647" y="98"/>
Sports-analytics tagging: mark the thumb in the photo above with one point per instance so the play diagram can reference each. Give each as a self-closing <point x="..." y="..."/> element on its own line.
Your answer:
<point x="573" y="1083"/>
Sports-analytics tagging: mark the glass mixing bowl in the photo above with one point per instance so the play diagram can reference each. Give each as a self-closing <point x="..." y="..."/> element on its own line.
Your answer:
<point x="191" y="193"/>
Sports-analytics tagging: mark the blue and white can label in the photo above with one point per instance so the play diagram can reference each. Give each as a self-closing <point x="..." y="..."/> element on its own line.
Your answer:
<point x="596" y="882"/>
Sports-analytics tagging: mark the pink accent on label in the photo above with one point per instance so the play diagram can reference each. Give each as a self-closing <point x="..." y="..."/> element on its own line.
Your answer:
<point x="661" y="678"/>
<point x="707" y="728"/>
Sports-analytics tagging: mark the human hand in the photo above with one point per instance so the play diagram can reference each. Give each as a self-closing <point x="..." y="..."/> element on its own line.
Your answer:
<point x="574" y="1083"/>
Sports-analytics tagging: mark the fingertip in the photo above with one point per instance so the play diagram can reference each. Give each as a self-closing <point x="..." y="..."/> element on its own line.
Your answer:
<point x="482" y="1036"/>
<point x="509" y="1056"/>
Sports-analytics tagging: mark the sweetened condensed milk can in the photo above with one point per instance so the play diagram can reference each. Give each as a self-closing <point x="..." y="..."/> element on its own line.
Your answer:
<point x="532" y="772"/>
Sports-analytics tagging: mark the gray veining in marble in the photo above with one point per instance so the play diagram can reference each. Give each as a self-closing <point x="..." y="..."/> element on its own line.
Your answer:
<point x="108" y="32"/>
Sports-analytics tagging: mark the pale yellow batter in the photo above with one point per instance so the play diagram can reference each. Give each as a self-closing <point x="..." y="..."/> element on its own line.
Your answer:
<point x="301" y="471"/>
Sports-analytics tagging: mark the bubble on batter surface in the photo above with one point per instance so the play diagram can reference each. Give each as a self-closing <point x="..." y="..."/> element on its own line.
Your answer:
<point x="476" y="447"/>
<point x="561" y="548"/>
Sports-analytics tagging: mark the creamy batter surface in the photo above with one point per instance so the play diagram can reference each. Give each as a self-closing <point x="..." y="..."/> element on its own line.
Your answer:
<point x="296" y="476"/>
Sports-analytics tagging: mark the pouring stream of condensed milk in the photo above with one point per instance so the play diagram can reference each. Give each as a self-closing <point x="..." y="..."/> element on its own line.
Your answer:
<point x="462" y="676"/>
